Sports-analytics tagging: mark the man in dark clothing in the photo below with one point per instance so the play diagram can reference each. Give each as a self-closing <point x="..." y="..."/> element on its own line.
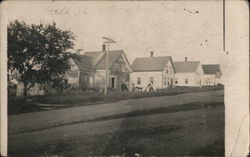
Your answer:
<point x="124" y="87"/>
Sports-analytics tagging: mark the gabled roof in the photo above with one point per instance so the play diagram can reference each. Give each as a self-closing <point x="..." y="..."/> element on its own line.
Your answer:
<point x="91" y="61"/>
<point x="95" y="57"/>
<point x="113" y="56"/>
<point x="211" y="68"/>
<point x="150" y="63"/>
<point x="186" y="66"/>
<point x="83" y="63"/>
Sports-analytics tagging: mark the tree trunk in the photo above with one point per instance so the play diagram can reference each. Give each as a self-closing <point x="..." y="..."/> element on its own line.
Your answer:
<point x="25" y="90"/>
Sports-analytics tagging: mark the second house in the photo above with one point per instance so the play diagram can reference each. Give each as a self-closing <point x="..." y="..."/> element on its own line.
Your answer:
<point x="158" y="71"/>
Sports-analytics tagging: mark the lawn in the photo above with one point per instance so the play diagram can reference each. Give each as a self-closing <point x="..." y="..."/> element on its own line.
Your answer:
<point x="39" y="103"/>
<point x="34" y="121"/>
<point x="190" y="124"/>
<point x="198" y="131"/>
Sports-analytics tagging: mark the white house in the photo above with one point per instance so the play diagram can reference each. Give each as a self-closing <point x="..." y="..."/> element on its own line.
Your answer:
<point x="188" y="73"/>
<point x="158" y="70"/>
<point x="212" y="75"/>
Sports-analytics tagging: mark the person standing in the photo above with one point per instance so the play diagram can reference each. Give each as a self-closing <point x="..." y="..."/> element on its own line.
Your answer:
<point x="150" y="87"/>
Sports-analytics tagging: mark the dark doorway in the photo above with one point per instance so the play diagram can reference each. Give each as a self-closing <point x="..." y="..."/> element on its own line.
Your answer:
<point x="83" y="81"/>
<point x="113" y="82"/>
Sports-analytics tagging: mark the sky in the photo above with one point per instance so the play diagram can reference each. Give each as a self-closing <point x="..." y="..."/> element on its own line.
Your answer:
<point x="180" y="29"/>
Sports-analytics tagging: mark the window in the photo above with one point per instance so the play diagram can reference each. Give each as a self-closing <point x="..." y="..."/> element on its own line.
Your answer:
<point x="186" y="81"/>
<point x="176" y="81"/>
<point x="166" y="69"/>
<point x="151" y="79"/>
<point x="123" y="68"/>
<point x="138" y="80"/>
<point x="165" y="81"/>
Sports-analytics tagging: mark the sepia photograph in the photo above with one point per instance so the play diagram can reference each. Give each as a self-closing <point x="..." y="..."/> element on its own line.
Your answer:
<point x="118" y="78"/>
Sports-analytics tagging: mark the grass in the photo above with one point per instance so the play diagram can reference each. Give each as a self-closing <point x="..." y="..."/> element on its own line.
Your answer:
<point x="148" y="128"/>
<point x="174" y="137"/>
<point x="162" y="110"/>
<point x="214" y="149"/>
<point x="143" y="112"/>
<point x="20" y="105"/>
<point x="114" y="95"/>
<point x="181" y="133"/>
<point x="23" y="123"/>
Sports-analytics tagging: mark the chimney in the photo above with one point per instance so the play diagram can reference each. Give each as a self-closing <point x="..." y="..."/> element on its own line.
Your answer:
<point x="103" y="47"/>
<point x="186" y="59"/>
<point x="151" y="54"/>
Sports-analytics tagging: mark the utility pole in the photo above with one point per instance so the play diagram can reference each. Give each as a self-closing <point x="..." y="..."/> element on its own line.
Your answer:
<point x="108" y="41"/>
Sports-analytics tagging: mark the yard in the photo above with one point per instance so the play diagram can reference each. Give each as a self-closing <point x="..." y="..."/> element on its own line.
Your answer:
<point x="17" y="105"/>
<point x="184" y="124"/>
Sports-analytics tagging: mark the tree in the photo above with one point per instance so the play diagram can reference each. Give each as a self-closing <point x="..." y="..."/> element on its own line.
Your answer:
<point x="38" y="53"/>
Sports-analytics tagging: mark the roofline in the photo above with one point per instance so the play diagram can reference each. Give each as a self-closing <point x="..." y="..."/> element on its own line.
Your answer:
<point x="186" y="61"/>
<point x="154" y="70"/>
<point x="211" y="64"/>
<point x="191" y="61"/>
<point x="105" y="56"/>
<point x="127" y="61"/>
<point x="172" y="64"/>
<point x="185" y="72"/>
<point x="79" y="69"/>
<point x="102" y="51"/>
<point x="146" y="70"/>
<point x="151" y="57"/>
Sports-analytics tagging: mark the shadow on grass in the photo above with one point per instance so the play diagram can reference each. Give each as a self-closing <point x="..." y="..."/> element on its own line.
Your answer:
<point x="162" y="139"/>
<point x="144" y="112"/>
<point x="149" y="135"/>
<point x="214" y="149"/>
<point x="20" y="105"/>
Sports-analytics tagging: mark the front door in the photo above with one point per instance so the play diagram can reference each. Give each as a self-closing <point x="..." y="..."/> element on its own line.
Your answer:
<point x="113" y="82"/>
<point x="83" y="81"/>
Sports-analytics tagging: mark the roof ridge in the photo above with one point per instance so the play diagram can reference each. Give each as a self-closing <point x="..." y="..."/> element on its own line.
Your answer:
<point x="152" y="57"/>
<point x="210" y="64"/>
<point x="185" y="61"/>
<point x="104" y="56"/>
<point x="150" y="63"/>
<point x="103" y="51"/>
